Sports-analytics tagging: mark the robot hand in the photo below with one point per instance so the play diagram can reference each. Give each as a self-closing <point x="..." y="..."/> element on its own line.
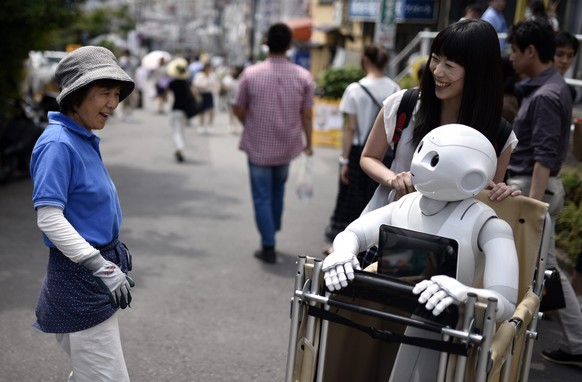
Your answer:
<point x="439" y="292"/>
<point x="338" y="268"/>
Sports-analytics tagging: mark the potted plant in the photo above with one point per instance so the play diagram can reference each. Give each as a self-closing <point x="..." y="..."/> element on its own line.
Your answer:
<point x="331" y="84"/>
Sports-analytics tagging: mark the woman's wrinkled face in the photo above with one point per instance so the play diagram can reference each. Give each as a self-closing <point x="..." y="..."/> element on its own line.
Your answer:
<point x="449" y="77"/>
<point x="563" y="58"/>
<point x="97" y="107"/>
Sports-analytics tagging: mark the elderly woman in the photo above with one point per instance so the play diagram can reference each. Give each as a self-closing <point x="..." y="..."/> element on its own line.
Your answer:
<point x="79" y="215"/>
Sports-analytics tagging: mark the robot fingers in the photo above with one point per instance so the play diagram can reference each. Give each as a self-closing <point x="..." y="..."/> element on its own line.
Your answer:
<point x="442" y="305"/>
<point x="428" y="293"/>
<point x="436" y="299"/>
<point x="337" y="277"/>
<point x="418" y="288"/>
<point x="331" y="279"/>
<point x="344" y="271"/>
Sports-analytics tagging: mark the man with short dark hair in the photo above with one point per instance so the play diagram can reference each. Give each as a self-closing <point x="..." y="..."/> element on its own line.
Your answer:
<point x="472" y="11"/>
<point x="274" y="103"/>
<point x="542" y="126"/>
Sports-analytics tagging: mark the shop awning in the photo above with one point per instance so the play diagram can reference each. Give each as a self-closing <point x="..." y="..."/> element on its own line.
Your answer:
<point x="301" y="28"/>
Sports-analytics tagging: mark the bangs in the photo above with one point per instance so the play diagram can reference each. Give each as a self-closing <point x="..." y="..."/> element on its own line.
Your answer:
<point x="453" y="45"/>
<point x="467" y="42"/>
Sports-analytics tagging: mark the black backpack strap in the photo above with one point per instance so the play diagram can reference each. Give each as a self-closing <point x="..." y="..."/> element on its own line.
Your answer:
<point x="505" y="129"/>
<point x="404" y="113"/>
<point x="378" y="105"/>
<point x="371" y="96"/>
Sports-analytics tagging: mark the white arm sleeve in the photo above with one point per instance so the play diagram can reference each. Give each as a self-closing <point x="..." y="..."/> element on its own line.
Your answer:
<point x="61" y="233"/>
<point x="501" y="276"/>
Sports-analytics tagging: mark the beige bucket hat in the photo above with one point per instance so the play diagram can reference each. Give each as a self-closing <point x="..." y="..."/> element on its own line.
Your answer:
<point x="178" y="69"/>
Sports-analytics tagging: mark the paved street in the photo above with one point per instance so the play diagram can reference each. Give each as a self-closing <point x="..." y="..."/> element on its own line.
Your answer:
<point x="204" y="309"/>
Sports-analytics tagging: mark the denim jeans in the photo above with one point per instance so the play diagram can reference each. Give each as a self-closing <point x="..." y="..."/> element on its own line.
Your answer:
<point x="268" y="190"/>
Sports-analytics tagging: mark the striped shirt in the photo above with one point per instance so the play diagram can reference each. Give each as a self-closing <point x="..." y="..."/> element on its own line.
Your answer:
<point x="274" y="93"/>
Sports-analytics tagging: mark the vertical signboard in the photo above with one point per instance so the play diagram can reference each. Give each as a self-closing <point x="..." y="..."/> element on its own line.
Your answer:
<point x="423" y="11"/>
<point x="363" y="10"/>
<point x="386" y="25"/>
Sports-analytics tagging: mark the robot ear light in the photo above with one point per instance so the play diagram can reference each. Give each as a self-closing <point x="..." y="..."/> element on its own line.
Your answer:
<point x="474" y="181"/>
<point x="453" y="162"/>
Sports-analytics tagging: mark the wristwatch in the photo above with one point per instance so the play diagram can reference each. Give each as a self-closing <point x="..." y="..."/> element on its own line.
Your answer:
<point x="343" y="161"/>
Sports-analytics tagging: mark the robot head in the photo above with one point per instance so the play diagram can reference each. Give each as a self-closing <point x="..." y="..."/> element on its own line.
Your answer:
<point x="453" y="162"/>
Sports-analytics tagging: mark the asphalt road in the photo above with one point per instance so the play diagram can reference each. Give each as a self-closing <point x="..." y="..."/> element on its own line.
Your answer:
<point x="204" y="309"/>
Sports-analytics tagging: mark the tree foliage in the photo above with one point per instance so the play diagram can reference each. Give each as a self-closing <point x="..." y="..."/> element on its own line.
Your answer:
<point x="28" y="25"/>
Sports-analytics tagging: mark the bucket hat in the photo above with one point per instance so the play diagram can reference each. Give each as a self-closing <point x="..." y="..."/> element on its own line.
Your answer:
<point x="87" y="64"/>
<point x="178" y="69"/>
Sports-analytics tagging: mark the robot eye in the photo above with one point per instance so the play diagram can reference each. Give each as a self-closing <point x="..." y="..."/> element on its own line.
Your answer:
<point x="434" y="160"/>
<point x="419" y="146"/>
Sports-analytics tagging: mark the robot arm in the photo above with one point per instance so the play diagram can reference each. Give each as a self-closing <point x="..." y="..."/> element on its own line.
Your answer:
<point x="501" y="275"/>
<point x="500" y="279"/>
<point x="360" y="235"/>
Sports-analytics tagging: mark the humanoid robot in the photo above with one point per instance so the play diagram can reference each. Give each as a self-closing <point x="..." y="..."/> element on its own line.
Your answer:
<point x="450" y="165"/>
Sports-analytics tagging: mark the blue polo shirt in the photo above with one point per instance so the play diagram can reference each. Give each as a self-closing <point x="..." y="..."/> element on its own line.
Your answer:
<point x="68" y="172"/>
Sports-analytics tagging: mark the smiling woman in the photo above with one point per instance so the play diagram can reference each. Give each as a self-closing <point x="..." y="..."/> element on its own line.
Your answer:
<point x="79" y="215"/>
<point x="94" y="104"/>
<point x="463" y="84"/>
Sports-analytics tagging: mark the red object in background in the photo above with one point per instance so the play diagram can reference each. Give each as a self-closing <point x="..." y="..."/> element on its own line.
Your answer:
<point x="301" y="28"/>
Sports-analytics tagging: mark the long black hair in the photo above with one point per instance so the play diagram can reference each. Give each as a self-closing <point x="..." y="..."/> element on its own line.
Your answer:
<point x="474" y="45"/>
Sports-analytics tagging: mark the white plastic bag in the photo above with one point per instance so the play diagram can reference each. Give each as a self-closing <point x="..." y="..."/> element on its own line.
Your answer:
<point x="305" y="179"/>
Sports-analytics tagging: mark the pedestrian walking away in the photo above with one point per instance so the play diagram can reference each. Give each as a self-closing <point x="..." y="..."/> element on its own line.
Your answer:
<point x="207" y="85"/>
<point x="161" y="79"/>
<point x="274" y="103"/>
<point x="184" y="101"/>
<point x="79" y="215"/>
<point x="231" y="82"/>
<point x="360" y="103"/>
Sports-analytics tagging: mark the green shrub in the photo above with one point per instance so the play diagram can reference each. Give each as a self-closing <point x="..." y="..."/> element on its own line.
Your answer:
<point x="332" y="82"/>
<point x="569" y="220"/>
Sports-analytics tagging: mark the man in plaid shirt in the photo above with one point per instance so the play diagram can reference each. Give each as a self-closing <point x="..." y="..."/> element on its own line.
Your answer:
<point x="274" y="103"/>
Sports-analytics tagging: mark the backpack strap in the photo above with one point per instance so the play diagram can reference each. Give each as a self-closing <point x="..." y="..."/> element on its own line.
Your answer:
<point x="404" y="113"/>
<point x="370" y="95"/>
<point x="378" y="105"/>
<point x="505" y="129"/>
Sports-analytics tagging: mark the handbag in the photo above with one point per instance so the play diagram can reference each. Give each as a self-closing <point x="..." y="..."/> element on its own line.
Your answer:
<point x="553" y="294"/>
<point x="195" y="106"/>
<point x="194" y="102"/>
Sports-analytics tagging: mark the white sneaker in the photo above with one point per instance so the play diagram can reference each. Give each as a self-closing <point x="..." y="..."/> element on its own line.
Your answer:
<point x="209" y="130"/>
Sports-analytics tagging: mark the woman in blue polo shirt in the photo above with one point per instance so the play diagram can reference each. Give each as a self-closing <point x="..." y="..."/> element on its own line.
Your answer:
<point x="79" y="216"/>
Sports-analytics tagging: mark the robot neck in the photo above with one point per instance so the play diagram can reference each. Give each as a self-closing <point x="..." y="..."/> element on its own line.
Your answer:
<point x="431" y="207"/>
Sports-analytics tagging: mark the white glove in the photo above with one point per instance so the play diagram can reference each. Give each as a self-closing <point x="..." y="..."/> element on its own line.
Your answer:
<point x="338" y="268"/>
<point x="111" y="279"/>
<point x="439" y="292"/>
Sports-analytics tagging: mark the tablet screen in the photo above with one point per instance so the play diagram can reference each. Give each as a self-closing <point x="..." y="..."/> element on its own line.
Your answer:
<point x="415" y="256"/>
